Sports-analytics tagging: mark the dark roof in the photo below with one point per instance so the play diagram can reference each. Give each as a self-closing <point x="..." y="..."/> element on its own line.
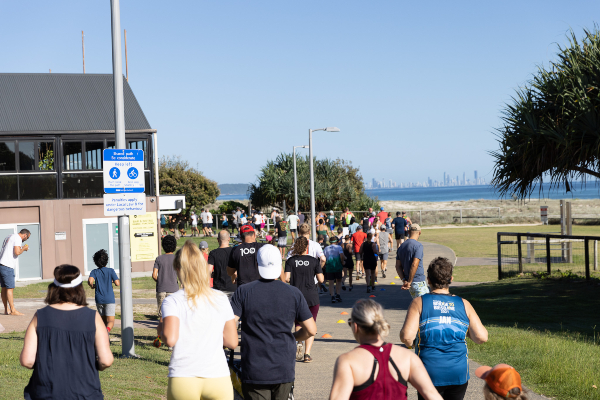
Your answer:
<point x="64" y="102"/>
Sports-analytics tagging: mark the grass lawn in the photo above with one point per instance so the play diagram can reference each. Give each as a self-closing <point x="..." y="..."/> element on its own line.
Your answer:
<point x="547" y="329"/>
<point x="38" y="290"/>
<point x="481" y="242"/>
<point x="475" y="273"/>
<point x="144" y="378"/>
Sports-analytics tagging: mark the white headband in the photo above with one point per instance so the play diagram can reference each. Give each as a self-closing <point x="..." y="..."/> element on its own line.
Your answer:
<point x="74" y="282"/>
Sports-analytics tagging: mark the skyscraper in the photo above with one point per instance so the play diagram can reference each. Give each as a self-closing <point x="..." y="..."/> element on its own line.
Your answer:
<point x="464" y="178"/>
<point x="475" y="176"/>
<point x="444" y="178"/>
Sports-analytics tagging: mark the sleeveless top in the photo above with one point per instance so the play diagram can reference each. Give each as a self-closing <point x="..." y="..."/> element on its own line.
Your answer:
<point x="384" y="387"/>
<point x="384" y="242"/>
<point x="369" y="258"/>
<point x="348" y="256"/>
<point x="65" y="364"/>
<point x="441" y="339"/>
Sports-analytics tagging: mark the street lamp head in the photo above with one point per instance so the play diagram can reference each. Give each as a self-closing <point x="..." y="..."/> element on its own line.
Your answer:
<point x="332" y="129"/>
<point x="304" y="147"/>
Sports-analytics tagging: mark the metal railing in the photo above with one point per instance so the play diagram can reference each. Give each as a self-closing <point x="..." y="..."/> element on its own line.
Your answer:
<point x="572" y="253"/>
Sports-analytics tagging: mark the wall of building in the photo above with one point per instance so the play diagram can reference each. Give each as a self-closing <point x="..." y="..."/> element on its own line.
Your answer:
<point x="65" y="215"/>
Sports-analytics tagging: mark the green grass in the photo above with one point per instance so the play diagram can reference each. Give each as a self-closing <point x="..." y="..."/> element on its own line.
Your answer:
<point x="135" y="379"/>
<point x="475" y="273"/>
<point x="547" y="329"/>
<point x="38" y="290"/>
<point x="481" y="242"/>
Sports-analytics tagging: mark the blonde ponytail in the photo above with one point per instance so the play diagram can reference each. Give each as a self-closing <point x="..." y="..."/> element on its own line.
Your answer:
<point x="368" y="315"/>
<point x="192" y="269"/>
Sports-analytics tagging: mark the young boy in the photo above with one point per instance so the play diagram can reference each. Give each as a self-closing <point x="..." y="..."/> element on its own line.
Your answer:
<point x="101" y="279"/>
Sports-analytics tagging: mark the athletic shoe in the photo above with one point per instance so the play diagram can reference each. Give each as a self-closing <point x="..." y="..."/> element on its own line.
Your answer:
<point x="373" y="288"/>
<point x="307" y="358"/>
<point x="383" y="273"/>
<point x="333" y="299"/>
<point x="343" y="287"/>
<point x="368" y="289"/>
<point x="338" y="298"/>
<point x="350" y="288"/>
<point x="299" y="351"/>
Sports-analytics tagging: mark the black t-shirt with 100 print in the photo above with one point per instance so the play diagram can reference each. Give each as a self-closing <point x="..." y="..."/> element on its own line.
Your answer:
<point x="243" y="260"/>
<point x="302" y="271"/>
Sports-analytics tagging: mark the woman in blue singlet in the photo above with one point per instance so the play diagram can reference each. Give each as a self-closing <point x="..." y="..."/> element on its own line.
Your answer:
<point x="441" y="322"/>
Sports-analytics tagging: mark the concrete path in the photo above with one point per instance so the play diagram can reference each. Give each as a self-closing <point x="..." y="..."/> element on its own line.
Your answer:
<point x="434" y="250"/>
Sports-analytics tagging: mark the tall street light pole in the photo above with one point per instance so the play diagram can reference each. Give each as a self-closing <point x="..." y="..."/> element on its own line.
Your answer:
<point x="312" y="179"/>
<point x="127" y="343"/>
<point x="296" y="179"/>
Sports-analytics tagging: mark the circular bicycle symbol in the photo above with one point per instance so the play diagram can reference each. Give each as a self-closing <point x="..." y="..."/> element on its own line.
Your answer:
<point x="114" y="173"/>
<point x="132" y="173"/>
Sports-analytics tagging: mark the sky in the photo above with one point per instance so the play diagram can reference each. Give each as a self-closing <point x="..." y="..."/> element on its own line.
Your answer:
<point x="416" y="88"/>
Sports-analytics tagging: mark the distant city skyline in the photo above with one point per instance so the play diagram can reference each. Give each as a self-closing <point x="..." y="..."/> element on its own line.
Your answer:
<point x="373" y="183"/>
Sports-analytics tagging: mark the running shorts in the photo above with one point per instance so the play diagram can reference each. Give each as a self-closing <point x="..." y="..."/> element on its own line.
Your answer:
<point x="358" y="256"/>
<point x="294" y="230"/>
<point x="314" y="310"/>
<point x="401" y="236"/>
<point x="383" y="256"/>
<point x="282" y="241"/>
<point x="331" y="276"/>
<point x="106" y="310"/>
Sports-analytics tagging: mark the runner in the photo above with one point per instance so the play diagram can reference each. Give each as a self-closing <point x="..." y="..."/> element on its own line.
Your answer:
<point x="349" y="264"/>
<point x="237" y="219"/>
<point x="388" y="224"/>
<point x="354" y="375"/>
<point x="368" y="251"/>
<point x="274" y="215"/>
<point x="163" y="273"/>
<point x="409" y="264"/>
<point x="357" y="240"/>
<point x="242" y="265"/>
<point x="301" y="271"/>
<point x="181" y="224"/>
<point x="217" y="263"/>
<point x="209" y="222"/>
<point x="163" y="224"/>
<point x="293" y="220"/>
<point x="346" y="217"/>
<point x="332" y="220"/>
<point x="408" y="222"/>
<point x="101" y="279"/>
<point x="11" y="249"/>
<point x="281" y="228"/>
<point x="399" y="225"/>
<point x="353" y="225"/>
<point x="263" y="222"/>
<point x="194" y="218"/>
<point x="256" y="221"/>
<point x="322" y="230"/>
<point x="441" y="323"/>
<point x="204" y="218"/>
<point x="385" y="244"/>
<point x="366" y="225"/>
<point x="334" y="268"/>
<point x="301" y="217"/>
<point x="382" y="215"/>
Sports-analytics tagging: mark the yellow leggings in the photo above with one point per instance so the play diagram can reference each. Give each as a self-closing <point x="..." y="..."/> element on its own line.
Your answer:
<point x="200" y="389"/>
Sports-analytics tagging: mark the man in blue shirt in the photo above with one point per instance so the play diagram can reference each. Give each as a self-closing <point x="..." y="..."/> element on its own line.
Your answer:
<point x="409" y="264"/>
<point x="399" y="225"/>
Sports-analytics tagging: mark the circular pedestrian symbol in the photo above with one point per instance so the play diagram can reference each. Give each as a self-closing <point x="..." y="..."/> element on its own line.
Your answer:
<point x="114" y="173"/>
<point x="132" y="173"/>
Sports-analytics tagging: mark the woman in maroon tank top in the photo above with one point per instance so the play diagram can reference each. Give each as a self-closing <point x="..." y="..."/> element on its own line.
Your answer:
<point x="376" y="370"/>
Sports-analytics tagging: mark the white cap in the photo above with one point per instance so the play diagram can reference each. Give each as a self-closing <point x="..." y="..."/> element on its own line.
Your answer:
<point x="269" y="262"/>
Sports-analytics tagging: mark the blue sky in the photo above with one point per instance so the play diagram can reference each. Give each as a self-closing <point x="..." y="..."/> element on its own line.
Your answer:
<point x="416" y="87"/>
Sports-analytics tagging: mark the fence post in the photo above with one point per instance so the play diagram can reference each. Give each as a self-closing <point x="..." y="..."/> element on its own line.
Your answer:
<point x="420" y="223"/>
<point x="548" y="258"/>
<point x="530" y="250"/>
<point x="595" y="255"/>
<point x="520" y="253"/>
<point x="461" y="215"/>
<point x="587" y="260"/>
<point x="498" y="212"/>
<point x="498" y="238"/>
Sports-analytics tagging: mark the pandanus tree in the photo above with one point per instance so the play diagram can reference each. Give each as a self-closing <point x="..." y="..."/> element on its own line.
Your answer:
<point x="337" y="184"/>
<point x="551" y="129"/>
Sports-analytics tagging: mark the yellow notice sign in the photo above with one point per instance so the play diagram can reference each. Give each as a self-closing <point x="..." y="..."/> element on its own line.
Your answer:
<point x="143" y="237"/>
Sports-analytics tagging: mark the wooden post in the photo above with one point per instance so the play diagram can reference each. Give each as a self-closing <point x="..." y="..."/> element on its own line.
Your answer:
<point x="587" y="259"/>
<point x="498" y="239"/>
<point x="595" y="255"/>
<point x="420" y="223"/>
<point x="83" y="51"/>
<point x="126" y="66"/>
<point x="530" y="250"/>
<point x="548" y="257"/>
<point x="563" y="231"/>
<point x="520" y="253"/>
<point x="461" y="215"/>
<point x="569" y="226"/>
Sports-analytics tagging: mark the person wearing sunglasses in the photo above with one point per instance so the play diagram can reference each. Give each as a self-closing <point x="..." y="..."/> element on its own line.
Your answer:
<point x="375" y="369"/>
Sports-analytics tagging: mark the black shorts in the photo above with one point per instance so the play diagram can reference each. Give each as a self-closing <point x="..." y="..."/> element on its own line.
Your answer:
<point x="331" y="276"/>
<point x="401" y="236"/>
<point x="358" y="256"/>
<point x="370" y="265"/>
<point x="207" y="225"/>
<point x="294" y="230"/>
<point x="349" y="266"/>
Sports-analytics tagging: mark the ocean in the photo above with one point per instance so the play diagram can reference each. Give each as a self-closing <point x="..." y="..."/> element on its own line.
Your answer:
<point x="459" y="193"/>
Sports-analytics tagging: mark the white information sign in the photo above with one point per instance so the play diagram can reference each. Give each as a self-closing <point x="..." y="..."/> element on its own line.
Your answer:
<point x="123" y="171"/>
<point x="116" y="204"/>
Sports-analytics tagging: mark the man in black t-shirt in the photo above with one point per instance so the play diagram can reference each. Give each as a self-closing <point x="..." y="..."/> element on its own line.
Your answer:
<point x="268" y="308"/>
<point x="242" y="260"/>
<point x="217" y="262"/>
<point x="399" y="225"/>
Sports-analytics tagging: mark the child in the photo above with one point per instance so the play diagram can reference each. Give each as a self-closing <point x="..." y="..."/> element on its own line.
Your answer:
<point x="101" y="279"/>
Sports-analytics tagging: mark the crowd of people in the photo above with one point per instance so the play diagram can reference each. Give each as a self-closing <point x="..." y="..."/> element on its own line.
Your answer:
<point x="270" y="297"/>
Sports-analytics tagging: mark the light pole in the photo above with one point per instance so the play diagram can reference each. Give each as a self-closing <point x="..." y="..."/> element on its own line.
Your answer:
<point x="312" y="179"/>
<point x="296" y="180"/>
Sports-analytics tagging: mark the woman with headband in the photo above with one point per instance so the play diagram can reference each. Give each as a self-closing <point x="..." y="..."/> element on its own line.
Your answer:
<point x="66" y="343"/>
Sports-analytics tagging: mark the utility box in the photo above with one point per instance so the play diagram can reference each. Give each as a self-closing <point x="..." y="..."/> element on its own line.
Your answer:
<point x="544" y="214"/>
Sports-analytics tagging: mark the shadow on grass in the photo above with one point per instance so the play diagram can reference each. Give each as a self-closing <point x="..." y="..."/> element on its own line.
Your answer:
<point x="555" y="305"/>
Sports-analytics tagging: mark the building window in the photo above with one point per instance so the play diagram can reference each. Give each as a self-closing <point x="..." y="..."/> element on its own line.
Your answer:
<point x="93" y="155"/>
<point x="26" y="156"/>
<point x="9" y="190"/>
<point x="45" y="152"/>
<point x="7" y="156"/>
<point x="82" y="186"/>
<point x="37" y="187"/>
<point x="140" y="145"/>
<point x="72" y="156"/>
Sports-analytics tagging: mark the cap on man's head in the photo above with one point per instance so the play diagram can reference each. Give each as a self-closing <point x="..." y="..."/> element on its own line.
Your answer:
<point x="269" y="262"/>
<point x="246" y="229"/>
<point x="501" y="379"/>
<point x="415" y="228"/>
<point x="381" y="208"/>
<point x="203" y="245"/>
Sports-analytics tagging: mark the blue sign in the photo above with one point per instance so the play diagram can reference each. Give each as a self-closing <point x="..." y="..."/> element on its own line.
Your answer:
<point x="114" y="173"/>
<point x="123" y="171"/>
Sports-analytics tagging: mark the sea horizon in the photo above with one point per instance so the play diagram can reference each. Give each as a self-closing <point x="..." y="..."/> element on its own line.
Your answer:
<point x="465" y="193"/>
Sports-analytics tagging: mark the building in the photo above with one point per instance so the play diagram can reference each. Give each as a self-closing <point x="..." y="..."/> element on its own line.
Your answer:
<point x="53" y="129"/>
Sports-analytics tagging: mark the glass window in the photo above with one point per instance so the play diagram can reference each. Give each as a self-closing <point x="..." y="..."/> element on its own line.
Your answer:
<point x="93" y="155"/>
<point x="96" y="238"/>
<point x="30" y="262"/>
<point x="140" y="145"/>
<point x="7" y="156"/>
<point x="45" y="152"/>
<point x="148" y="184"/>
<point x="71" y="156"/>
<point x="26" y="156"/>
<point x="35" y="187"/>
<point x="110" y="144"/>
<point x="9" y="191"/>
<point x="82" y="186"/>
